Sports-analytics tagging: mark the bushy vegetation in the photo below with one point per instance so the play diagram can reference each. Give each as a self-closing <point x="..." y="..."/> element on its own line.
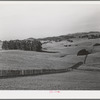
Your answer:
<point x="97" y="44"/>
<point x="57" y="38"/>
<point x="90" y="36"/>
<point x="83" y="52"/>
<point x="70" y="40"/>
<point x="29" y="45"/>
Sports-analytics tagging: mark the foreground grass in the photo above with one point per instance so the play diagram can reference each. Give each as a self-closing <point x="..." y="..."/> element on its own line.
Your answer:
<point x="75" y="80"/>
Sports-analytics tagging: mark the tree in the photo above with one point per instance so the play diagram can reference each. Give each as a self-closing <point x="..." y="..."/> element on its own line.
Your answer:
<point x="82" y="53"/>
<point x="30" y="45"/>
<point x="5" y="45"/>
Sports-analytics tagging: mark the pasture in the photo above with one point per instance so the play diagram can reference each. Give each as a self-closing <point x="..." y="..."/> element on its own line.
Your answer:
<point x="87" y="76"/>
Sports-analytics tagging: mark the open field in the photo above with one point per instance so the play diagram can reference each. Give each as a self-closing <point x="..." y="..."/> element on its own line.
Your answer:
<point x="86" y="77"/>
<point x="17" y="59"/>
<point x="33" y="60"/>
<point x="75" y="80"/>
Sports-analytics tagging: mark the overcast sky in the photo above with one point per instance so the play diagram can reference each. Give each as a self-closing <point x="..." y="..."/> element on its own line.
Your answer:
<point x="21" y="20"/>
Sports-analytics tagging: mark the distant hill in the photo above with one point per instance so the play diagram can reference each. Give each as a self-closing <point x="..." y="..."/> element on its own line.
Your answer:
<point x="57" y="38"/>
<point x="32" y="39"/>
<point x="89" y="35"/>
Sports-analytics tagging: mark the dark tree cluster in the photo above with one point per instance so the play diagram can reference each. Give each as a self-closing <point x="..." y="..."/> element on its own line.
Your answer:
<point x="57" y="38"/>
<point x="94" y="36"/>
<point x="90" y="36"/>
<point x="29" y="45"/>
<point x="70" y="40"/>
<point x="84" y="36"/>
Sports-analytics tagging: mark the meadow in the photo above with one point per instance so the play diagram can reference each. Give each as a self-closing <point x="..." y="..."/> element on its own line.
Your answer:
<point x="86" y="77"/>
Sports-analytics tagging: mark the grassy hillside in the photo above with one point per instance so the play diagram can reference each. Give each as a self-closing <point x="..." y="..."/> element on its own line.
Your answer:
<point x="63" y="57"/>
<point x="91" y="34"/>
<point x="62" y="54"/>
<point x="33" y="60"/>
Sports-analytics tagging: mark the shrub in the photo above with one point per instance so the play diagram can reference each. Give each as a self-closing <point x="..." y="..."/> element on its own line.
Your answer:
<point x="97" y="44"/>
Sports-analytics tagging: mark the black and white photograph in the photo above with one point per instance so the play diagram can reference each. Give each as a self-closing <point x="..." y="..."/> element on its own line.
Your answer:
<point x="49" y="45"/>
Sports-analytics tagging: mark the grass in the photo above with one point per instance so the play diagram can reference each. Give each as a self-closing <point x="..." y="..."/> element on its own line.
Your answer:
<point x="86" y="78"/>
<point x="17" y="59"/>
<point x="56" y="56"/>
<point x="74" y="80"/>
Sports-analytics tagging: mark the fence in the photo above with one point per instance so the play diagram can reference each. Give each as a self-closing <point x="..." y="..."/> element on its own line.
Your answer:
<point x="16" y="73"/>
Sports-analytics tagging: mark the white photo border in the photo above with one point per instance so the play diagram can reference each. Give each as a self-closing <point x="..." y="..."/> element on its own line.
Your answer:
<point x="38" y="94"/>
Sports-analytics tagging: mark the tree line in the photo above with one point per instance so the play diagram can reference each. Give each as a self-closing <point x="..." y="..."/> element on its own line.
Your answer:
<point x="30" y="45"/>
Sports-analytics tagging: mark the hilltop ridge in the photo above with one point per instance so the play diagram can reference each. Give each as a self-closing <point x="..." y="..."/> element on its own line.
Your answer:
<point x="89" y="35"/>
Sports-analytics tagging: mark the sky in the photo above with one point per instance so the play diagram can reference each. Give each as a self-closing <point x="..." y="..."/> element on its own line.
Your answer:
<point x="21" y="20"/>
